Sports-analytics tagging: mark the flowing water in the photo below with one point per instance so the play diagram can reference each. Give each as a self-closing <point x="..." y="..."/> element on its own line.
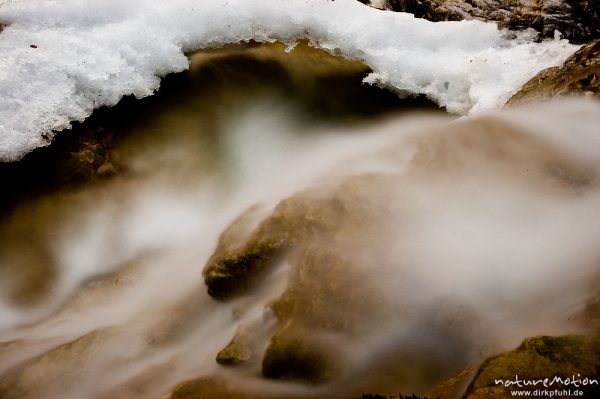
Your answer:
<point x="490" y="235"/>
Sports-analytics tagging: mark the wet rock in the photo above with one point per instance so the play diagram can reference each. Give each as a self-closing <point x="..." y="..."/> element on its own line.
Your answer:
<point x="218" y="387"/>
<point x="233" y="268"/>
<point x="83" y="164"/>
<point x="295" y="353"/>
<point x="580" y="74"/>
<point x="291" y="353"/>
<point x="327" y="296"/>
<point x="337" y="214"/>
<point x="56" y="369"/>
<point x="106" y="169"/>
<point x="328" y="292"/>
<point x="576" y="20"/>
<point x="74" y="159"/>
<point x="238" y="351"/>
<point x="205" y="388"/>
<point x="539" y="358"/>
<point x="334" y="240"/>
<point x="455" y="386"/>
<point x="142" y="386"/>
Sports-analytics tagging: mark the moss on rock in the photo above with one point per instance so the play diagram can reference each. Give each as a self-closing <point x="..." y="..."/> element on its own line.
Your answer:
<point x="536" y="359"/>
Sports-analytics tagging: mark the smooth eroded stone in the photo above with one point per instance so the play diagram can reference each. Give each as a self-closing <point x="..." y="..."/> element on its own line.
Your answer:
<point x="296" y="354"/>
<point x="536" y="359"/>
<point x="579" y="75"/>
<point x="216" y="387"/>
<point x="238" y="351"/>
<point x="233" y="268"/>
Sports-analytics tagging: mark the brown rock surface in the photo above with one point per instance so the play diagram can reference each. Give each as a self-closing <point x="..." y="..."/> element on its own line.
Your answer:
<point x="239" y="350"/>
<point x="333" y="238"/>
<point x="297" y="353"/>
<point x="453" y="387"/>
<point x="59" y="367"/>
<point x="218" y="387"/>
<point x="580" y="74"/>
<point x="577" y="20"/>
<point x="236" y="263"/>
<point x="536" y="359"/>
<point x="327" y="293"/>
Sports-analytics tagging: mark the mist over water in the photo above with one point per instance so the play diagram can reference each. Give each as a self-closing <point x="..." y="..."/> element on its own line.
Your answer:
<point x="489" y="237"/>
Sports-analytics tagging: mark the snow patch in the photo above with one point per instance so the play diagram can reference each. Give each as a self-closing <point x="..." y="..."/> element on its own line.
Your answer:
<point x="62" y="59"/>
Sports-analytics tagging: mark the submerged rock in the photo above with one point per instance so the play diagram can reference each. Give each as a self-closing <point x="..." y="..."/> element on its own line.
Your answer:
<point x="328" y="298"/>
<point x="327" y="293"/>
<point x="60" y="188"/>
<point x="215" y="387"/>
<point x="238" y="351"/>
<point x="234" y="267"/>
<point x="576" y="20"/>
<point x="219" y="387"/>
<point x="59" y="368"/>
<point x="580" y="74"/>
<point x="337" y="240"/>
<point x="297" y="353"/>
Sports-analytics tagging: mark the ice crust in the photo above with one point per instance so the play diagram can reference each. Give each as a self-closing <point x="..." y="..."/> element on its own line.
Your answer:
<point x="91" y="53"/>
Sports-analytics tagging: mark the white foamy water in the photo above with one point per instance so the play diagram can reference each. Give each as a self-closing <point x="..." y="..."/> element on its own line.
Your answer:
<point x="491" y="237"/>
<point x="61" y="60"/>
